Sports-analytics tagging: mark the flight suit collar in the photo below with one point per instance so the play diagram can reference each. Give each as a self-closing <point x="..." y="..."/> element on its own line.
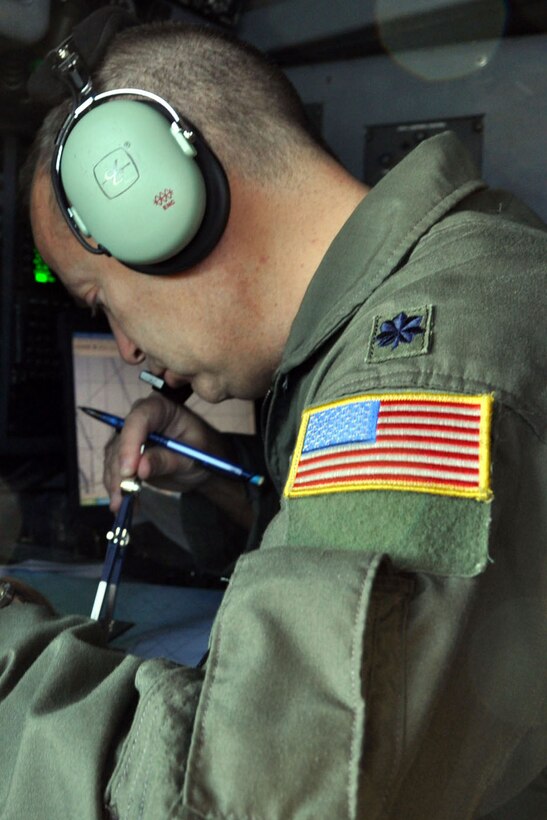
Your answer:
<point x="378" y="237"/>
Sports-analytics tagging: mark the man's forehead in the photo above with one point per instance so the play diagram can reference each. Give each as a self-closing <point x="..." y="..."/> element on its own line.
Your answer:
<point x="46" y="218"/>
<point x="52" y="236"/>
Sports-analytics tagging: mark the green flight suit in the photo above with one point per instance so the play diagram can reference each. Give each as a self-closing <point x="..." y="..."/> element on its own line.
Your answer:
<point x="382" y="655"/>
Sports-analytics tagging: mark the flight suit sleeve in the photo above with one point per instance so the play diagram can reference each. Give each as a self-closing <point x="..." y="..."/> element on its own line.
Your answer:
<point x="384" y="660"/>
<point x="383" y="654"/>
<point x="71" y="709"/>
<point x="64" y="700"/>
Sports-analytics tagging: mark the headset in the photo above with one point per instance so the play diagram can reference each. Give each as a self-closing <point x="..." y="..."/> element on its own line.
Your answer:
<point x="132" y="174"/>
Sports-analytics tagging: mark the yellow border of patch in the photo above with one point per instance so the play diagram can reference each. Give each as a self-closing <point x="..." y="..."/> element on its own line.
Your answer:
<point x="482" y="493"/>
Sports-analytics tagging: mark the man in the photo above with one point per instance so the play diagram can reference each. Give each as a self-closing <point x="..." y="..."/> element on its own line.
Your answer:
<point x="382" y="654"/>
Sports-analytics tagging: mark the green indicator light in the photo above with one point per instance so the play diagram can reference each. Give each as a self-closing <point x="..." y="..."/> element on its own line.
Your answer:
<point x="42" y="274"/>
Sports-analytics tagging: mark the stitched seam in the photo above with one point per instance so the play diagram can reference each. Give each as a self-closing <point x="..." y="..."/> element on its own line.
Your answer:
<point x="399" y="725"/>
<point x="194" y="765"/>
<point x="123" y="776"/>
<point x="201" y="731"/>
<point x="462" y="230"/>
<point x="146" y="772"/>
<point x="414" y="234"/>
<point x="353" y="737"/>
<point x="472" y="225"/>
<point x="163" y="684"/>
<point x="146" y="782"/>
<point x="366" y="589"/>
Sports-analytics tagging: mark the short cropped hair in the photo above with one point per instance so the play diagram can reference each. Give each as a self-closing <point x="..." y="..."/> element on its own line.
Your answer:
<point x="243" y="104"/>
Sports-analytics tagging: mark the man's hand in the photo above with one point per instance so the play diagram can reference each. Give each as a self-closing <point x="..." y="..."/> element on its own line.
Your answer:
<point x="15" y="591"/>
<point x="156" y="465"/>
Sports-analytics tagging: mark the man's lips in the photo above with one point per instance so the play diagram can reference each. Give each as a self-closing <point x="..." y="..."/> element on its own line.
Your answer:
<point x="175" y="389"/>
<point x="175" y="381"/>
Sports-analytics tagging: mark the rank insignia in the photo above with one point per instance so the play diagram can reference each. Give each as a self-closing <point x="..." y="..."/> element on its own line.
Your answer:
<point x="418" y="442"/>
<point x="404" y="334"/>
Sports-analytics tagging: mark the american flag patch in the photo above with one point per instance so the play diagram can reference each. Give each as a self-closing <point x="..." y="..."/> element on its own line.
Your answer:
<point x="420" y="442"/>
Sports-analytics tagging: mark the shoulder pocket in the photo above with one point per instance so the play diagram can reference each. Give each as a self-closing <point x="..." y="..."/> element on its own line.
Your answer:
<point x="280" y="725"/>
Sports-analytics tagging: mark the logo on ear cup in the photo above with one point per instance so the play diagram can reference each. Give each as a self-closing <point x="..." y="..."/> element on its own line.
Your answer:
<point x="115" y="173"/>
<point x="164" y="198"/>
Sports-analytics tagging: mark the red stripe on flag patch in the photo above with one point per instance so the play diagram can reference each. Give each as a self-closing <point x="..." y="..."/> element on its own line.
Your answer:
<point x="425" y="442"/>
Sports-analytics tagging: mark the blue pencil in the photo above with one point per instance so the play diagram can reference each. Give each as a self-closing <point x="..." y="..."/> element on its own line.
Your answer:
<point x="206" y="459"/>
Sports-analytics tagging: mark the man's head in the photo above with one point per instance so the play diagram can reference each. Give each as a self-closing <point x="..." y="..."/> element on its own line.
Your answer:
<point x="223" y="323"/>
<point x="250" y="113"/>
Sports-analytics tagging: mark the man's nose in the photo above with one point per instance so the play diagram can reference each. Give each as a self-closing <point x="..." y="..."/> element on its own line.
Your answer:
<point x="129" y="351"/>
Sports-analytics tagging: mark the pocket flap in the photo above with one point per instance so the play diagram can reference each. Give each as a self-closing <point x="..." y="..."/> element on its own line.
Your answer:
<point x="280" y="721"/>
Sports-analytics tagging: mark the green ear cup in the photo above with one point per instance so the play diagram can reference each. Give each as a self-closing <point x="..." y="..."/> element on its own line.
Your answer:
<point x="132" y="181"/>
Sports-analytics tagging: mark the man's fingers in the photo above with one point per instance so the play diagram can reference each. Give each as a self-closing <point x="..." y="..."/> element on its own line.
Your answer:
<point x="124" y="457"/>
<point x="146" y="415"/>
<point x="157" y="463"/>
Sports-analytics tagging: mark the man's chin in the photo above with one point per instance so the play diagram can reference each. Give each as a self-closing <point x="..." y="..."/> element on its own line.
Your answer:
<point x="211" y="393"/>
